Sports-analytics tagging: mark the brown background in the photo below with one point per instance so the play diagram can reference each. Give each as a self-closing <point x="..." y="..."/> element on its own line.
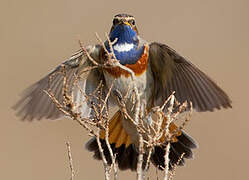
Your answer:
<point x="35" y="36"/>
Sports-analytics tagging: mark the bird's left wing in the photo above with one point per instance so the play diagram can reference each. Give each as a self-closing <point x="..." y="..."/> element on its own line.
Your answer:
<point x="36" y="104"/>
<point x="172" y="72"/>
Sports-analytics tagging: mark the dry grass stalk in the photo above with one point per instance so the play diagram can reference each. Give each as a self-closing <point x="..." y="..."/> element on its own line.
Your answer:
<point x="70" y="160"/>
<point x="167" y="134"/>
<point x="153" y="131"/>
<point x="173" y="172"/>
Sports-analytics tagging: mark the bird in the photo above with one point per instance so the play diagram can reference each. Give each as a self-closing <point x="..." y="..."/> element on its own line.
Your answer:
<point x="159" y="71"/>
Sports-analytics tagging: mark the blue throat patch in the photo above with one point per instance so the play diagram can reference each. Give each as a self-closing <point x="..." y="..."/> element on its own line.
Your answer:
<point x="126" y="35"/>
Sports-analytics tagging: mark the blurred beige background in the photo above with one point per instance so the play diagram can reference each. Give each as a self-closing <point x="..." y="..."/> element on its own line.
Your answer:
<point x="35" y="36"/>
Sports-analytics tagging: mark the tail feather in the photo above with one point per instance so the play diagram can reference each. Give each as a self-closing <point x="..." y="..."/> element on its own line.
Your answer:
<point x="187" y="141"/>
<point x="126" y="157"/>
<point x="117" y="134"/>
<point x="181" y="148"/>
<point x="185" y="144"/>
<point x="92" y="146"/>
<point x="175" y="157"/>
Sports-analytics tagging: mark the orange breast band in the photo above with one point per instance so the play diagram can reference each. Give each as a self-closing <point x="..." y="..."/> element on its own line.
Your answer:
<point x="138" y="68"/>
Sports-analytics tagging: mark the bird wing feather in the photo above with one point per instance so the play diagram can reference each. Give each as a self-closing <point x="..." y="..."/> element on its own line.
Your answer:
<point x="172" y="72"/>
<point x="36" y="104"/>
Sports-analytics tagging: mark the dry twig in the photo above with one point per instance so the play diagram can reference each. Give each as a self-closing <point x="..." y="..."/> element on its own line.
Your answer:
<point x="167" y="134"/>
<point x="70" y="160"/>
<point x="150" y="132"/>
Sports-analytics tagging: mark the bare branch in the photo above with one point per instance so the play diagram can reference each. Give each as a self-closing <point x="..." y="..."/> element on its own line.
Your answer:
<point x="173" y="172"/>
<point x="152" y="123"/>
<point x="140" y="158"/>
<point x="70" y="160"/>
<point x="106" y="166"/>
<point x="167" y="134"/>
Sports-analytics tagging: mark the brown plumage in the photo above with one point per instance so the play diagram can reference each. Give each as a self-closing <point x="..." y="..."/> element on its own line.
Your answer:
<point x="174" y="73"/>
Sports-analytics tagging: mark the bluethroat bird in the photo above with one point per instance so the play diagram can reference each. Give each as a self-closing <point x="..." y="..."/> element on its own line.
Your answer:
<point x="159" y="70"/>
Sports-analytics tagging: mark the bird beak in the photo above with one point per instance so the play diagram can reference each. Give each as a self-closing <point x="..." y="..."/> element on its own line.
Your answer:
<point x="125" y="23"/>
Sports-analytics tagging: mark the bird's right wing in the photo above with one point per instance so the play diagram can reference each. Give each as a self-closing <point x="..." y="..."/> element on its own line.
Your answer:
<point x="36" y="104"/>
<point x="172" y="72"/>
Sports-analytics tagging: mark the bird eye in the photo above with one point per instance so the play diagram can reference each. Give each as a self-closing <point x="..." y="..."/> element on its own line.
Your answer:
<point x="132" y="22"/>
<point x="115" y="21"/>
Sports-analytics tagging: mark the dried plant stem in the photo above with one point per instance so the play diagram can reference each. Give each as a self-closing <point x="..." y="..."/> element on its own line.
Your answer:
<point x="167" y="134"/>
<point x="114" y="165"/>
<point x="70" y="160"/>
<point x="140" y="159"/>
<point x="166" y="156"/>
<point x="148" y="159"/>
<point x="106" y="166"/>
<point x="172" y="174"/>
<point x="149" y="133"/>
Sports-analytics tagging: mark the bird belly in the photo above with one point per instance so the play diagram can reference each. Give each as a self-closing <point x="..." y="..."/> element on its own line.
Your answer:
<point x="124" y="85"/>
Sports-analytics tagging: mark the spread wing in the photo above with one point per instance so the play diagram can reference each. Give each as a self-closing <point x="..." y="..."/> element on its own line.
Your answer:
<point x="172" y="72"/>
<point x="36" y="104"/>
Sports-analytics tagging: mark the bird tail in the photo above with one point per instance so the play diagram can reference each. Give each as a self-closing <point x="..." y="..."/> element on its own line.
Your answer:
<point x="126" y="153"/>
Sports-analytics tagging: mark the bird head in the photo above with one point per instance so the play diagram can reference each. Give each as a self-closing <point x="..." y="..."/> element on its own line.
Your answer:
<point x="124" y="29"/>
<point x="122" y="20"/>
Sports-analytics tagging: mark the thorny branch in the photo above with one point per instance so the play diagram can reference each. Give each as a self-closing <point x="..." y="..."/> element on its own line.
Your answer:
<point x="150" y="131"/>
